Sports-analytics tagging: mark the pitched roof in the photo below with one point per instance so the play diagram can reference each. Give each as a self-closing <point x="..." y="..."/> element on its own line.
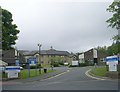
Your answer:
<point x="27" y="53"/>
<point x="54" y="52"/>
<point x="2" y="63"/>
<point x="44" y="52"/>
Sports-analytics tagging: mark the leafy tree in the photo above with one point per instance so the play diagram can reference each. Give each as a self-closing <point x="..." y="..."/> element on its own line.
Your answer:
<point x="9" y="30"/>
<point x="114" y="21"/>
<point x="102" y="49"/>
<point x="113" y="49"/>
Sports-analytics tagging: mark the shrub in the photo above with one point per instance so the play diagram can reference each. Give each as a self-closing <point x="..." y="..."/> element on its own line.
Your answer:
<point x="61" y="63"/>
<point x="86" y="64"/>
<point x="56" y="64"/>
<point x="33" y="67"/>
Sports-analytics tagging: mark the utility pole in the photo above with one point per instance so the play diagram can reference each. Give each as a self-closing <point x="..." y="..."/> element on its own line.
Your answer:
<point x="39" y="46"/>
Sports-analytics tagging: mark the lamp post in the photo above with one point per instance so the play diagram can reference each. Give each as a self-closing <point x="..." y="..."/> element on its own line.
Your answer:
<point x="39" y="46"/>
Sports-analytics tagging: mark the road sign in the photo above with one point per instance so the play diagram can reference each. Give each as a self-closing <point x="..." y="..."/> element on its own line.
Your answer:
<point x="32" y="61"/>
<point x="17" y="63"/>
<point x="12" y="71"/>
<point x="112" y="61"/>
<point x="111" y="58"/>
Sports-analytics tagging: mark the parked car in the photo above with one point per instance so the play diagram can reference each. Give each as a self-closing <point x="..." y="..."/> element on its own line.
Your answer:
<point x="21" y="68"/>
<point x="66" y="63"/>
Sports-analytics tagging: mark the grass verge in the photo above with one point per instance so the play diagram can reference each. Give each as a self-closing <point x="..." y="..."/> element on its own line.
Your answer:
<point x="25" y="74"/>
<point x="33" y="73"/>
<point x="99" y="71"/>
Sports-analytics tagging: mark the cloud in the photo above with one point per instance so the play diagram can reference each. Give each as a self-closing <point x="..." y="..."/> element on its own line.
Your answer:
<point x="70" y="25"/>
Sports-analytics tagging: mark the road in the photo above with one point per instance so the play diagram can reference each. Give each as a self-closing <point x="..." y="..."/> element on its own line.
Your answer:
<point x="74" y="79"/>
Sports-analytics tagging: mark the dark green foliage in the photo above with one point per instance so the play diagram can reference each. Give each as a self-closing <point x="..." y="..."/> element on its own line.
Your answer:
<point x="33" y="67"/>
<point x="102" y="49"/>
<point x="114" y="21"/>
<point x="61" y="63"/>
<point x="9" y="30"/>
<point x="56" y="64"/>
<point x="114" y="49"/>
<point x="36" y="66"/>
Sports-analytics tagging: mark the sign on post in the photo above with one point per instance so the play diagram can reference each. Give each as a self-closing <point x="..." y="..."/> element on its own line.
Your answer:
<point x="32" y="61"/>
<point x="12" y="71"/>
<point x="112" y="62"/>
<point x="17" y="63"/>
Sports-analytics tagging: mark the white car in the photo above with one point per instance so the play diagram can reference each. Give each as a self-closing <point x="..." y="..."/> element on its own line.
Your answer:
<point x="21" y="68"/>
<point x="66" y="63"/>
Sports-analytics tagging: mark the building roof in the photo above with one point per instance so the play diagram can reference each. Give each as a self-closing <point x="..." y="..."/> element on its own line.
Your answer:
<point x="27" y="53"/>
<point x="2" y="63"/>
<point x="44" y="52"/>
<point x="54" y="52"/>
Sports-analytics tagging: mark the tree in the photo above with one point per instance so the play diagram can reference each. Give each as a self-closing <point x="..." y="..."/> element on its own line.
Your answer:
<point x="113" y="49"/>
<point x="114" y="21"/>
<point x="9" y="30"/>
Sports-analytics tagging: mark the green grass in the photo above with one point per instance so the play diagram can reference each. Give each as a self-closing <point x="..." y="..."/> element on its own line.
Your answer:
<point x="99" y="71"/>
<point x="24" y="73"/>
<point x="33" y="73"/>
<point x="46" y="65"/>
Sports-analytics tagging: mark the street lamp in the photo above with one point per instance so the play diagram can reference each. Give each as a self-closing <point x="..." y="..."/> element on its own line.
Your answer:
<point x="39" y="46"/>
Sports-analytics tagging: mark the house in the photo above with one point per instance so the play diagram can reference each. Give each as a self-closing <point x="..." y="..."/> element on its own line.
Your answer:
<point x="8" y="56"/>
<point x="46" y="56"/>
<point x="92" y="56"/>
<point x="81" y="58"/>
<point x="24" y="55"/>
<point x="58" y="56"/>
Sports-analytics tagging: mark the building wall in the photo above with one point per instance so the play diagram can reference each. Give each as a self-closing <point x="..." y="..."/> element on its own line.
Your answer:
<point x="81" y="58"/>
<point x="8" y="56"/>
<point x="46" y="59"/>
<point x="92" y="54"/>
<point x="89" y="56"/>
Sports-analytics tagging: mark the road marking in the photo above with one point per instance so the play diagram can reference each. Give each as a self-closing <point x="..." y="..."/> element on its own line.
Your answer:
<point x="87" y="73"/>
<point x="56" y="75"/>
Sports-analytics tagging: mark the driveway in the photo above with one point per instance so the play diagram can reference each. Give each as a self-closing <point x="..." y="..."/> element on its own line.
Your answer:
<point x="73" y="79"/>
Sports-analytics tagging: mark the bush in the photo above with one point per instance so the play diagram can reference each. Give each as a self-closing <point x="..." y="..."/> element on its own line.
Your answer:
<point x="61" y="63"/>
<point x="33" y="67"/>
<point x="39" y="66"/>
<point x="84" y="64"/>
<point x="56" y="64"/>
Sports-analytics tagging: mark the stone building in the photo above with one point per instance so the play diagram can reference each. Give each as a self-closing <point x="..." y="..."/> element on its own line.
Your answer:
<point x="46" y="56"/>
<point x="92" y="56"/>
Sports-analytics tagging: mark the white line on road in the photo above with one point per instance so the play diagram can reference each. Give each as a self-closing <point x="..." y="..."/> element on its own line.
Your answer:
<point x="56" y="75"/>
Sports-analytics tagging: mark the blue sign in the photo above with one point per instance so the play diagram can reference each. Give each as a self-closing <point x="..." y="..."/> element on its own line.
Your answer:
<point x="111" y="59"/>
<point x="17" y="62"/>
<point x="32" y="61"/>
<point x="12" y="68"/>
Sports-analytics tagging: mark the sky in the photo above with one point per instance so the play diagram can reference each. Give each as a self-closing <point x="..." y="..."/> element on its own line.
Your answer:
<point x="67" y="25"/>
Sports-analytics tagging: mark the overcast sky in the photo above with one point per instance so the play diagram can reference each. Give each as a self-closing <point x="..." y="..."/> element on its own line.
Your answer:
<point x="71" y="25"/>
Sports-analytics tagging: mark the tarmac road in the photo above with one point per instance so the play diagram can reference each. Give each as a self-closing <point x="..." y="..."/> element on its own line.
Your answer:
<point x="73" y="79"/>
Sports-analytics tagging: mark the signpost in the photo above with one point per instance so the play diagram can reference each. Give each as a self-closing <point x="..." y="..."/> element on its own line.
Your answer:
<point x="17" y="63"/>
<point x="12" y="71"/>
<point x="31" y="62"/>
<point x="112" y="62"/>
